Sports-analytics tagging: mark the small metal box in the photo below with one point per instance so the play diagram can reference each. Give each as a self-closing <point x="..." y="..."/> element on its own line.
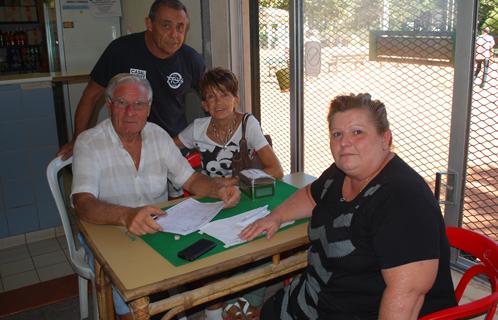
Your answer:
<point x="256" y="183"/>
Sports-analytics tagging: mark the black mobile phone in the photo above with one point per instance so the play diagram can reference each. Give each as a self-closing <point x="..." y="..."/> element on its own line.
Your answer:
<point x="196" y="249"/>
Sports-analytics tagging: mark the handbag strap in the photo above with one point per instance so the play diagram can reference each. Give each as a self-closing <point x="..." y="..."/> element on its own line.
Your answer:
<point x="244" y="124"/>
<point x="243" y="149"/>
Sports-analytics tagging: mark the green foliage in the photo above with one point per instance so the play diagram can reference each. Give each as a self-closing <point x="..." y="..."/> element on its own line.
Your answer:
<point x="330" y="15"/>
<point x="411" y="15"/>
<point x="491" y="20"/>
<point x="279" y="4"/>
<point x="488" y="17"/>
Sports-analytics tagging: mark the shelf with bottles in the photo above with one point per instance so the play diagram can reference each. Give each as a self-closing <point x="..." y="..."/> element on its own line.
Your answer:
<point x="23" y="47"/>
<point x="24" y="59"/>
<point x="17" y="3"/>
<point x="19" y="37"/>
<point x="18" y="11"/>
<point x="21" y="51"/>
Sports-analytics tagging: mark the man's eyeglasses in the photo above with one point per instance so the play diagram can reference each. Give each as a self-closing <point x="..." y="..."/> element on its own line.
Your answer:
<point x="138" y="105"/>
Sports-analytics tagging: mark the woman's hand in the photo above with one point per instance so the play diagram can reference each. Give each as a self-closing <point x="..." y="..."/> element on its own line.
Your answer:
<point x="269" y="224"/>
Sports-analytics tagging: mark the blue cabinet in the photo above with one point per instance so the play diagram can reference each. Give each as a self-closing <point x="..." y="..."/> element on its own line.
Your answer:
<point x="28" y="141"/>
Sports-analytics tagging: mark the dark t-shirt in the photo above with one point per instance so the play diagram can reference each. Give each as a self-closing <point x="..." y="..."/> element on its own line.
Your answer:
<point x="395" y="220"/>
<point x="170" y="78"/>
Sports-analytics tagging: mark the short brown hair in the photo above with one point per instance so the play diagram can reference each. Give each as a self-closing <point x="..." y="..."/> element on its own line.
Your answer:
<point x="375" y="108"/>
<point x="221" y="79"/>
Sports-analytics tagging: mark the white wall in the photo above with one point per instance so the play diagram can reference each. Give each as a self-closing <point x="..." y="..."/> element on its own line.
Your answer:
<point x="220" y="31"/>
<point x="134" y="13"/>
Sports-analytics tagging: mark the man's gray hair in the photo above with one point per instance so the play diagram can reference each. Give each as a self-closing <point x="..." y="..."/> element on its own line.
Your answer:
<point x="122" y="78"/>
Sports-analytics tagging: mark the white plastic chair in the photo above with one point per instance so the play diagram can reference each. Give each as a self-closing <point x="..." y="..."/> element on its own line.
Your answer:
<point x="85" y="273"/>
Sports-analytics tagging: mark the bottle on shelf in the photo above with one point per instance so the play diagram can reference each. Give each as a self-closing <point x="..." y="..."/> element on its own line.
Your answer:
<point x="12" y="39"/>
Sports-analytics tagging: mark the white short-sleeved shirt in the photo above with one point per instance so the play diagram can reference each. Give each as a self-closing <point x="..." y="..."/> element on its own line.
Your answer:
<point x="216" y="158"/>
<point x="484" y="44"/>
<point x="103" y="167"/>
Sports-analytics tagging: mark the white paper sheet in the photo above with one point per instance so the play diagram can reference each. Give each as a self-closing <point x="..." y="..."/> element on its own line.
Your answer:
<point x="227" y="230"/>
<point x="189" y="216"/>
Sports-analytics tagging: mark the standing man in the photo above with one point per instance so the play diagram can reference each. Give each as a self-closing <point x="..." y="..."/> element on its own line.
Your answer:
<point x="158" y="55"/>
<point x="484" y="52"/>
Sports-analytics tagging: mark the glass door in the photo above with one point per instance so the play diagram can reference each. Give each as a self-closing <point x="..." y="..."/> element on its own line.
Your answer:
<point x="416" y="57"/>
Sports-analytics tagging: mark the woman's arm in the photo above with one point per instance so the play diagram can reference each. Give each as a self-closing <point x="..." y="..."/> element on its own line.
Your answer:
<point x="270" y="162"/>
<point x="406" y="287"/>
<point x="204" y="186"/>
<point x="297" y="206"/>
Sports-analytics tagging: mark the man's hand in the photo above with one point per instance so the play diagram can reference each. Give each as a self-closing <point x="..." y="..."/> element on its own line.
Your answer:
<point x="230" y="196"/>
<point x="142" y="221"/>
<point x="268" y="224"/>
<point x="66" y="151"/>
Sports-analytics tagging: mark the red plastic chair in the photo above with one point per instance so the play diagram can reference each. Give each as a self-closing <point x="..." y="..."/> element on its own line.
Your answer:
<point x="194" y="158"/>
<point x="486" y="250"/>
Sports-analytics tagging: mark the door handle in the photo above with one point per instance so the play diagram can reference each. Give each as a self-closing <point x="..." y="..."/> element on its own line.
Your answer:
<point x="449" y="186"/>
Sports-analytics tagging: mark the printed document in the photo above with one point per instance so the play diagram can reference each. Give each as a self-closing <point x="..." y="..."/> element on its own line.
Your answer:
<point x="189" y="216"/>
<point x="228" y="230"/>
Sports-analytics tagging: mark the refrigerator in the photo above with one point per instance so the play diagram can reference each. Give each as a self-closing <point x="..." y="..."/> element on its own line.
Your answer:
<point x="84" y="28"/>
<point x="22" y="40"/>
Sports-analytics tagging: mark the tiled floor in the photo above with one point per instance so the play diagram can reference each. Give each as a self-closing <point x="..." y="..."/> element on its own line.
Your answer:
<point x="44" y="260"/>
<point x="33" y="262"/>
<point x="64" y="310"/>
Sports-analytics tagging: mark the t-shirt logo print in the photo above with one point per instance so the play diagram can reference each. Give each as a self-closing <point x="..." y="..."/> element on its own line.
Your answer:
<point x="139" y="73"/>
<point x="174" y="80"/>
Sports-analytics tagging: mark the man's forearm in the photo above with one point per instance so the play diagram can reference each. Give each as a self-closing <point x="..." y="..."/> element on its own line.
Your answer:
<point x="86" y="107"/>
<point x="203" y="186"/>
<point x="95" y="211"/>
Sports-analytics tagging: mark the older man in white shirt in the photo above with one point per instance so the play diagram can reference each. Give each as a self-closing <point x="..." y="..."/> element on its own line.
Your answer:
<point x="121" y="167"/>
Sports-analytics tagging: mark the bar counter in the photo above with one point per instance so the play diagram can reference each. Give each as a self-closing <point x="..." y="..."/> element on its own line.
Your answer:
<point x="33" y="126"/>
<point x="43" y="77"/>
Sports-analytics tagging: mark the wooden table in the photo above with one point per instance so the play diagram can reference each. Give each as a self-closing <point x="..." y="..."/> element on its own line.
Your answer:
<point x="138" y="271"/>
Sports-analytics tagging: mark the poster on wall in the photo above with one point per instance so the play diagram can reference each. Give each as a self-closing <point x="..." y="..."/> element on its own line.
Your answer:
<point x="75" y="4"/>
<point x="105" y="8"/>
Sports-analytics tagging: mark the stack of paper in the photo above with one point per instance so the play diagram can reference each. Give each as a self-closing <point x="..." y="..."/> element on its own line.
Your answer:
<point x="189" y="216"/>
<point x="227" y="230"/>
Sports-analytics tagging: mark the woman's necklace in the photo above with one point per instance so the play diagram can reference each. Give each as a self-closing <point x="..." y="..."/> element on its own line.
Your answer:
<point x="228" y="132"/>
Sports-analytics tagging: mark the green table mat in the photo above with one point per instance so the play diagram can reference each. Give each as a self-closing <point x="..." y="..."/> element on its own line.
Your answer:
<point x="166" y="245"/>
